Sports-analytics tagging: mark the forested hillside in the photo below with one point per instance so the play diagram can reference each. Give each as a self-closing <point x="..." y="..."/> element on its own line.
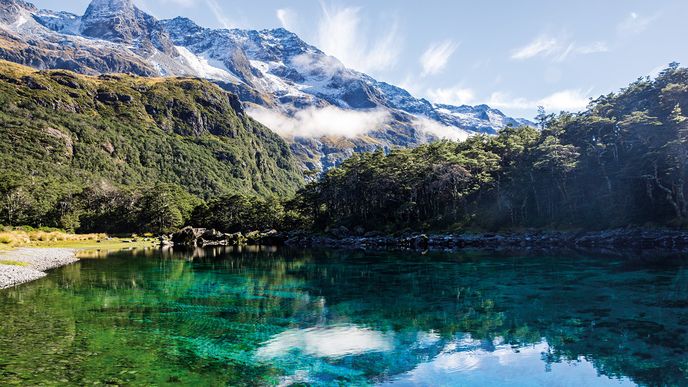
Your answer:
<point x="622" y="161"/>
<point x="122" y="153"/>
<point x="87" y="152"/>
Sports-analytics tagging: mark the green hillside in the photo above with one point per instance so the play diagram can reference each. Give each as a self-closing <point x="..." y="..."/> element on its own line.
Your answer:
<point x="63" y="133"/>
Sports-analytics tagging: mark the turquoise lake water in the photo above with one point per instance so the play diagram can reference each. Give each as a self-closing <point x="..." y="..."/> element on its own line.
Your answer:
<point x="221" y="317"/>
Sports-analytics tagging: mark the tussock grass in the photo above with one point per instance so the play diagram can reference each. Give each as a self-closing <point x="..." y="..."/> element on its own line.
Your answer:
<point x="28" y="237"/>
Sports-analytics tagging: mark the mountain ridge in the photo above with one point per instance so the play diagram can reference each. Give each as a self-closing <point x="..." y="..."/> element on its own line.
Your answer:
<point x="274" y="72"/>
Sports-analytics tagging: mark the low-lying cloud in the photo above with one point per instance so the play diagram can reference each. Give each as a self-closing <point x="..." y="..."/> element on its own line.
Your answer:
<point x="439" y="130"/>
<point x="318" y="122"/>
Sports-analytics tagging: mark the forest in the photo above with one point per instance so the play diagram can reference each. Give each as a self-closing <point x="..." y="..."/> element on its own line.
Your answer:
<point x="622" y="161"/>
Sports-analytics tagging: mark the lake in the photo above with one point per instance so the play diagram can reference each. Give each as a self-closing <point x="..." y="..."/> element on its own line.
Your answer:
<point x="268" y="316"/>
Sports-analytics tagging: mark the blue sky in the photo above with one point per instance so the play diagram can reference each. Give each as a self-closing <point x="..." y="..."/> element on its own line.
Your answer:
<point x="511" y="55"/>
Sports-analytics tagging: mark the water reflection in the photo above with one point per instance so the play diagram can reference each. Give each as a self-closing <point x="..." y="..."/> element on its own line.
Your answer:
<point x="266" y="316"/>
<point x="332" y="342"/>
<point x="467" y="362"/>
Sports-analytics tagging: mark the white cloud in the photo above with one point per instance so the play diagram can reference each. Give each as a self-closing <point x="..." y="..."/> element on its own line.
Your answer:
<point x="288" y="18"/>
<point x="568" y="100"/>
<point x="308" y="63"/>
<point x="452" y="95"/>
<point x="593" y="48"/>
<point x="219" y="14"/>
<point x="438" y="130"/>
<point x="635" y="23"/>
<point x="542" y="45"/>
<point x="435" y="58"/>
<point x="328" y="342"/>
<point x="318" y="122"/>
<point x="341" y="34"/>
<point x="557" y="49"/>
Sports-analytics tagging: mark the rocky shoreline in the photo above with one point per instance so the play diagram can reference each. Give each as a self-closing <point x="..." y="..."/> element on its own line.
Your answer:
<point x="341" y="237"/>
<point x="621" y="238"/>
<point x="26" y="264"/>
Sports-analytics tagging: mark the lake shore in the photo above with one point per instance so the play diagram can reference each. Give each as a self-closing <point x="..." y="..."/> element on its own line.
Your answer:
<point x="616" y="238"/>
<point x="24" y="265"/>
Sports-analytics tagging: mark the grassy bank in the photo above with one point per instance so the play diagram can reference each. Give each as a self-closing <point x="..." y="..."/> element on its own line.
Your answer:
<point x="26" y="237"/>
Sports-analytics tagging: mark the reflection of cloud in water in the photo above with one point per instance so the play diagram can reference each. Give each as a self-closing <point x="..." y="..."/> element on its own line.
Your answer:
<point x="329" y="342"/>
<point x="467" y="362"/>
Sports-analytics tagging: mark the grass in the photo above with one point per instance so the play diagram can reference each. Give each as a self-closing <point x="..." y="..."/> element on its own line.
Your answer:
<point x="13" y="263"/>
<point x="14" y="238"/>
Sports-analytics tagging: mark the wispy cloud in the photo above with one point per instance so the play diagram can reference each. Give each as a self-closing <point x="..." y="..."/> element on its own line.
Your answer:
<point x="219" y="14"/>
<point x="556" y="49"/>
<point x="435" y="58"/>
<point x="341" y="34"/>
<point x="288" y="18"/>
<point x="542" y="45"/>
<point x="567" y="100"/>
<point x="635" y="23"/>
<point x="436" y="129"/>
<point x="456" y="95"/>
<point x="319" y="122"/>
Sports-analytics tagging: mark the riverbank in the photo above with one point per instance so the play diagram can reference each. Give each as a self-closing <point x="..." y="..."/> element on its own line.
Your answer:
<point x="29" y="264"/>
<point x="617" y="238"/>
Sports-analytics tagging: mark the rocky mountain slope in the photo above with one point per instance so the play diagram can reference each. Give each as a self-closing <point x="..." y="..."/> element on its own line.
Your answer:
<point x="282" y="80"/>
<point x="77" y="130"/>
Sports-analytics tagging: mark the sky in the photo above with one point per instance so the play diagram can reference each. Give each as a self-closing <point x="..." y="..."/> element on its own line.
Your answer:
<point x="511" y="55"/>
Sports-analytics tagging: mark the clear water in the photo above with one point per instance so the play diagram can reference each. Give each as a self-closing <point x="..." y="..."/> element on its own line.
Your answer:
<point x="307" y="317"/>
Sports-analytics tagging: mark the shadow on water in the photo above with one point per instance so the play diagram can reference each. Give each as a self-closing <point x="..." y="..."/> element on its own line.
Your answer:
<point x="263" y="315"/>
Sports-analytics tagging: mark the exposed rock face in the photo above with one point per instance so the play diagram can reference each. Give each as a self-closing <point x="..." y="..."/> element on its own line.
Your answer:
<point x="119" y="21"/>
<point x="68" y="143"/>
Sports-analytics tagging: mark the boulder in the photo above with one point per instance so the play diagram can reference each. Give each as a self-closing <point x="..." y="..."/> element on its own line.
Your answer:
<point x="420" y="241"/>
<point x="188" y="236"/>
<point x="272" y="238"/>
<point x="236" y="239"/>
<point x="340" y="232"/>
<point x="253" y="237"/>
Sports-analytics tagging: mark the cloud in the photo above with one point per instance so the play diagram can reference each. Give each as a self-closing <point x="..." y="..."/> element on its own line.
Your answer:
<point x="435" y="58"/>
<point x="341" y="34"/>
<point x="329" y="342"/>
<point x="311" y="64"/>
<point x="219" y="14"/>
<point x="568" y="100"/>
<point x="452" y="95"/>
<point x="288" y="18"/>
<point x="318" y="122"/>
<point x="557" y="49"/>
<point x="593" y="48"/>
<point x="542" y="45"/>
<point x="439" y="130"/>
<point x="635" y="23"/>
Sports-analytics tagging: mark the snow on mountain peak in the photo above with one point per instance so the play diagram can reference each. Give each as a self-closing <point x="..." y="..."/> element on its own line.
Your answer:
<point x="271" y="69"/>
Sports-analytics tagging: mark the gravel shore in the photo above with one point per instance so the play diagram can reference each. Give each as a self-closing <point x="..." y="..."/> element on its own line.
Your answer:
<point x="35" y="262"/>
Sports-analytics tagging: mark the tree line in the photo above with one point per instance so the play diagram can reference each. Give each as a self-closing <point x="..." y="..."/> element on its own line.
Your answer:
<point x="622" y="161"/>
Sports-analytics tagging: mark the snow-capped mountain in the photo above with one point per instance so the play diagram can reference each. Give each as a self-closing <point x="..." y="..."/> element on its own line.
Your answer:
<point x="293" y="87"/>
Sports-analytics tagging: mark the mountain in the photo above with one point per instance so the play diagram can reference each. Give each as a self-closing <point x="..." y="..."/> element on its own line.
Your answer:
<point x="77" y="130"/>
<point x="296" y="89"/>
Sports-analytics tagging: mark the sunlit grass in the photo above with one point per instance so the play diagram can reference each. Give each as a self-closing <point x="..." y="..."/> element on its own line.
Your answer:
<point x="13" y="238"/>
<point x="13" y="263"/>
